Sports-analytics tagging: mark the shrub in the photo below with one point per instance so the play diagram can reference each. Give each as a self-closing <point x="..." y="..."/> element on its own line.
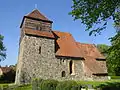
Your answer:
<point x="68" y="85"/>
<point x="36" y="83"/>
<point x="110" y="86"/>
<point x="115" y="77"/>
<point x="49" y="84"/>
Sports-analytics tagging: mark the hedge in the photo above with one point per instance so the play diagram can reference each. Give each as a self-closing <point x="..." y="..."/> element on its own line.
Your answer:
<point x="115" y="77"/>
<point x="68" y="85"/>
<point x="49" y="84"/>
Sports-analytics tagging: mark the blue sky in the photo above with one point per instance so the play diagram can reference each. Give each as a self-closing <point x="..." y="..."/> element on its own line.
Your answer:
<point x="12" y="12"/>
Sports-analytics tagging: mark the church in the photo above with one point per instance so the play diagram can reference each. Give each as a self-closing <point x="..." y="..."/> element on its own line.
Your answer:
<point x="49" y="54"/>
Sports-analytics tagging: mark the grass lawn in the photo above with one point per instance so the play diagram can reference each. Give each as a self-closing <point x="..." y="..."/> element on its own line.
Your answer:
<point x="26" y="87"/>
<point x="15" y="87"/>
<point x="96" y="83"/>
<point x="84" y="83"/>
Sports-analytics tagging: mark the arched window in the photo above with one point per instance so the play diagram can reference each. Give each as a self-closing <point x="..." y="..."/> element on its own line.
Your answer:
<point x="63" y="73"/>
<point x="70" y="67"/>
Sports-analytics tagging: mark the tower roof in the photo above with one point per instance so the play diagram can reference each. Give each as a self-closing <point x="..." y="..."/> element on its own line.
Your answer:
<point x="36" y="15"/>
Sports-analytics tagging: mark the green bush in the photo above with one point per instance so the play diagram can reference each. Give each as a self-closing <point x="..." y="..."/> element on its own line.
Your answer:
<point x="110" y="86"/>
<point x="36" y="83"/>
<point x="68" y="85"/>
<point x="115" y="77"/>
<point x="49" y="84"/>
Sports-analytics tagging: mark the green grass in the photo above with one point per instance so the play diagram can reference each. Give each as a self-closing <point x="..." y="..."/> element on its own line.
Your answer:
<point x="96" y="83"/>
<point x="26" y="87"/>
<point x="29" y="87"/>
<point x="15" y="87"/>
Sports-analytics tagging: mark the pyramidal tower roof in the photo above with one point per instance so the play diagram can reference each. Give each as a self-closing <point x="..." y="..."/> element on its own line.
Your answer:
<point x="36" y="14"/>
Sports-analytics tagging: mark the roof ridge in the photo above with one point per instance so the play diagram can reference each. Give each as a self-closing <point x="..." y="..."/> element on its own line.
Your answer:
<point x="37" y="14"/>
<point x="84" y="43"/>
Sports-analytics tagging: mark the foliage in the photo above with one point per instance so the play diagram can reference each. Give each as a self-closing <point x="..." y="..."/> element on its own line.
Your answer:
<point x="96" y="12"/>
<point x="103" y="48"/>
<point x="109" y="86"/>
<point x="49" y="85"/>
<point x="2" y="49"/>
<point x="115" y="77"/>
<point x="114" y="55"/>
<point x="68" y="85"/>
<point x="8" y="77"/>
<point x="36" y="82"/>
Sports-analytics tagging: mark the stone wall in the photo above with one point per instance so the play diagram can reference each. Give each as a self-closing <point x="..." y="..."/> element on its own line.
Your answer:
<point x="32" y="64"/>
<point x="37" y="60"/>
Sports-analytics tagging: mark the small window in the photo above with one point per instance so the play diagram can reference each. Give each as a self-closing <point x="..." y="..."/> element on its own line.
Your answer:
<point x="71" y="67"/>
<point x="38" y="27"/>
<point x="63" y="73"/>
<point x="40" y="50"/>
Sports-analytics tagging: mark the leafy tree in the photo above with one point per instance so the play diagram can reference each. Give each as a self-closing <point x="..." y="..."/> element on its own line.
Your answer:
<point x="2" y="49"/>
<point x="95" y="15"/>
<point x="113" y="57"/>
<point x="103" y="48"/>
<point x="96" y="12"/>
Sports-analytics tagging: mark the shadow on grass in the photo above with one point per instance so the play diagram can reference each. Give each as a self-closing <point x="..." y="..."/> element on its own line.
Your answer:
<point x="110" y="86"/>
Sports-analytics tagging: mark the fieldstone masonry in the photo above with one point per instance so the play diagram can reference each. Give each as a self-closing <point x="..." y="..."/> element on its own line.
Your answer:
<point x="31" y="64"/>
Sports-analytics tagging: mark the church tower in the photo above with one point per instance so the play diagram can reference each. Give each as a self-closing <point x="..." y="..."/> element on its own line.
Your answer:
<point x="36" y="44"/>
<point x="35" y="21"/>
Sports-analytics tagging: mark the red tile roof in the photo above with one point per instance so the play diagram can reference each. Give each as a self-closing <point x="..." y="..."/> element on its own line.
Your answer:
<point x="39" y="33"/>
<point x="90" y="53"/>
<point x="5" y="69"/>
<point x="89" y="50"/>
<point x="36" y="14"/>
<point x="67" y="45"/>
<point x="95" y="66"/>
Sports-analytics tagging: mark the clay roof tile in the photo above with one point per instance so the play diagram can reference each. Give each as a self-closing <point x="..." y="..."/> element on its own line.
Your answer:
<point x="39" y="33"/>
<point x="67" y="45"/>
<point x="5" y="69"/>
<point x="36" y="14"/>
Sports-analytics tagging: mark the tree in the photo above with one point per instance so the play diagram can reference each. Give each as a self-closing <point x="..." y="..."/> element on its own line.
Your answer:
<point x="96" y="12"/>
<point x="113" y="57"/>
<point x="103" y="48"/>
<point x="95" y="15"/>
<point x="2" y="49"/>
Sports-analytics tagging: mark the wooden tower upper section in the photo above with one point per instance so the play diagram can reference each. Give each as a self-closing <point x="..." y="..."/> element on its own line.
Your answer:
<point x="36" y="21"/>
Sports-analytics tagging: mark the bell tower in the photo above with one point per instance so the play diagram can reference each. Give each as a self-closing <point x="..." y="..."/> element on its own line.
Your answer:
<point x="36" y="21"/>
<point x="35" y="45"/>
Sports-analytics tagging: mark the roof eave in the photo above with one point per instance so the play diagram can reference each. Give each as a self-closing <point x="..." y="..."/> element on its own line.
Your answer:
<point x="61" y="56"/>
<point x="100" y="74"/>
<point x="39" y="36"/>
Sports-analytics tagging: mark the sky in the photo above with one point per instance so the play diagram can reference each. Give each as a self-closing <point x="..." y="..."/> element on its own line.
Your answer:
<point x="12" y="12"/>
